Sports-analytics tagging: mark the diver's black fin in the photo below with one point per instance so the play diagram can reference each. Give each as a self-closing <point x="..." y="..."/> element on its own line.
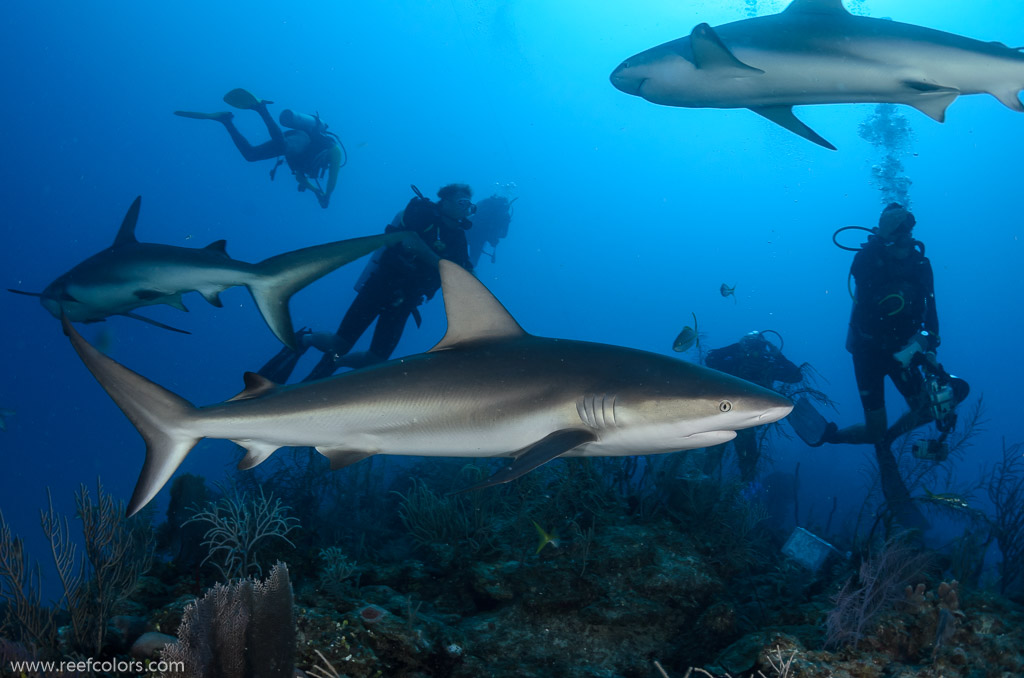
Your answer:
<point x="807" y="422"/>
<point x="538" y="454"/>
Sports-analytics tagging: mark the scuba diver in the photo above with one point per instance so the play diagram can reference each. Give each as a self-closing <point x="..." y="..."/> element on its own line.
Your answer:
<point x="396" y="281"/>
<point x="894" y="332"/>
<point x="308" y="148"/>
<point x="758" y="360"/>
<point x="490" y="224"/>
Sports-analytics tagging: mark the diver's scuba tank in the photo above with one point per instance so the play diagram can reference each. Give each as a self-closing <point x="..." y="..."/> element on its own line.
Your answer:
<point x="301" y="121"/>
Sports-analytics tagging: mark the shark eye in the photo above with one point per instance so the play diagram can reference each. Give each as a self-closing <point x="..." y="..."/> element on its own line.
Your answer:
<point x="724" y="406"/>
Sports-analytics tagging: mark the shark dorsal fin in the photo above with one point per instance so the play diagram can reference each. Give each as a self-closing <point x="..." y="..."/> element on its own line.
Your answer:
<point x="218" y="246"/>
<point x="126" y="234"/>
<point x="255" y="386"/>
<point x="711" y="54"/>
<point x="816" y="7"/>
<point x="473" y="312"/>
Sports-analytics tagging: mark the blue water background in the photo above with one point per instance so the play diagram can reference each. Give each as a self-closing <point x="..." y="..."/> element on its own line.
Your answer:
<point x="630" y="215"/>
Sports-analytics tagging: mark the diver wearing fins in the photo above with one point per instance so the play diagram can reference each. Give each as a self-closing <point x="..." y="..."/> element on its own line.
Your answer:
<point x="757" y="360"/>
<point x="308" y="148"/>
<point x="894" y="332"/>
<point x="396" y="281"/>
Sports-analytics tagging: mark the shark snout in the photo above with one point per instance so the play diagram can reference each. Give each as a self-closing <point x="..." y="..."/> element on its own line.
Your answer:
<point x="774" y="413"/>
<point x="626" y="78"/>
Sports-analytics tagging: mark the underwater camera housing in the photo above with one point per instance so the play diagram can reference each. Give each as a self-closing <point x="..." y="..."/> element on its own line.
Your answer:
<point x="931" y="450"/>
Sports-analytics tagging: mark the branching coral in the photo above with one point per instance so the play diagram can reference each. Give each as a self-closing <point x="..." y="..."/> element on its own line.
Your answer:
<point x="879" y="584"/>
<point x="240" y="528"/>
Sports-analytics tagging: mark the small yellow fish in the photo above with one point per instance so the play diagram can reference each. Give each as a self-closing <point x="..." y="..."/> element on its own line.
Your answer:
<point x="950" y="500"/>
<point x="687" y="338"/>
<point x="727" y="291"/>
<point x="545" y="538"/>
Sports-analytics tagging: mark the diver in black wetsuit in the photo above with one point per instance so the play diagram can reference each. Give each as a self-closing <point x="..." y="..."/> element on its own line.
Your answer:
<point x="398" y="279"/>
<point x="755" y="359"/>
<point x="308" y="148"/>
<point x="894" y="331"/>
<point x="893" y="327"/>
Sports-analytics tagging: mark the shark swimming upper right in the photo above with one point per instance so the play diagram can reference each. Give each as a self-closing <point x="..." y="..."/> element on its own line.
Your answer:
<point x="816" y="52"/>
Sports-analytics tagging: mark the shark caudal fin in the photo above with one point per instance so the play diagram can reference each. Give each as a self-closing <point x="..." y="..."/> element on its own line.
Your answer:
<point x="278" y="278"/>
<point x="160" y="416"/>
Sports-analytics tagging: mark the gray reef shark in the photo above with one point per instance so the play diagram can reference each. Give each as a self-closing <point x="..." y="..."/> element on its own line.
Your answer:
<point x="488" y="389"/>
<point x="815" y="52"/>
<point x="130" y="274"/>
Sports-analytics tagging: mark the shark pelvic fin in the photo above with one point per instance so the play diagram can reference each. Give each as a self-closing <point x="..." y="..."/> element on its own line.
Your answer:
<point x="538" y="454"/>
<point x="255" y="386"/>
<point x="711" y="54"/>
<point x="342" y="457"/>
<point x="783" y="115"/>
<point x="126" y="234"/>
<point x="256" y="453"/>
<point x="212" y="296"/>
<point x="932" y="100"/>
<point x="474" y="314"/>
<point x="817" y="7"/>
<point x="1011" y="99"/>
<point x="135" y="316"/>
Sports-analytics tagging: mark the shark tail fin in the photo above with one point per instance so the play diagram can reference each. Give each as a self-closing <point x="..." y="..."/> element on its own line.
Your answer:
<point x="161" y="417"/>
<point x="278" y="278"/>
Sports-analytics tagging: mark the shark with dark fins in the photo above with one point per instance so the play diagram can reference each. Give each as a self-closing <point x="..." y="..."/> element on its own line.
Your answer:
<point x="488" y="389"/>
<point x="129" y="274"/>
<point x="816" y="52"/>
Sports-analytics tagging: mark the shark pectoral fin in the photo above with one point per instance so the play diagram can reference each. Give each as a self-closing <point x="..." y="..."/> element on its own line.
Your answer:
<point x="256" y="453"/>
<point x="340" y="457"/>
<point x="711" y="54"/>
<point x="126" y="234"/>
<point x="218" y="246"/>
<point x="474" y="314"/>
<point x="932" y="100"/>
<point x="255" y="386"/>
<point x="135" y="316"/>
<point x="783" y="115"/>
<point x="538" y="454"/>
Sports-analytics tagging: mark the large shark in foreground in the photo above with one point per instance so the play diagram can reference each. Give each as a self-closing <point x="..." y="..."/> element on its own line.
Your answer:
<point x="130" y="274"/>
<point x="815" y="52"/>
<point x="488" y="389"/>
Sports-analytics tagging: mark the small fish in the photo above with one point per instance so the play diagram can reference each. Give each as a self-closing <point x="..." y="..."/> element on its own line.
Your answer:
<point x="3" y="418"/>
<point x="951" y="500"/>
<point x="687" y="338"/>
<point x="545" y="538"/>
<point x="728" y="291"/>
